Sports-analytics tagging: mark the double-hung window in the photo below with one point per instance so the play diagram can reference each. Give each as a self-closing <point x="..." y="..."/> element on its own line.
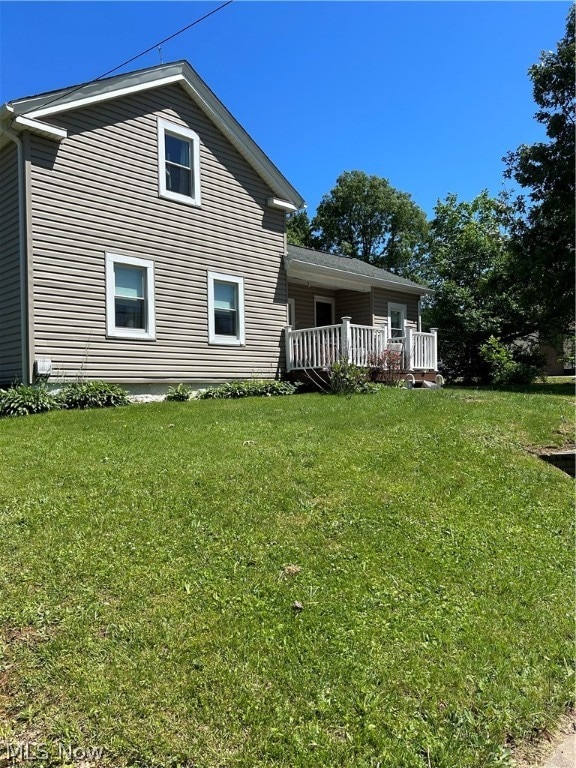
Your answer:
<point x="225" y="309"/>
<point x="129" y="297"/>
<point x="178" y="163"/>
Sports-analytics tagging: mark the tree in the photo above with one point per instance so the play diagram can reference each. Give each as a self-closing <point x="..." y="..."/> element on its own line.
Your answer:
<point x="543" y="263"/>
<point x="299" y="229"/>
<point x="364" y="217"/>
<point x="469" y="254"/>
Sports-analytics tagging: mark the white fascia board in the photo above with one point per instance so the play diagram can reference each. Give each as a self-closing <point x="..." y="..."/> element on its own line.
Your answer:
<point x="341" y="277"/>
<point x="50" y="131"/>
<point x="86" y="101"/>
<point x="280" y="205"/>
<point x="205" y="99"/>
<point x="10" y="121"/>
<point x="217" y="112"/>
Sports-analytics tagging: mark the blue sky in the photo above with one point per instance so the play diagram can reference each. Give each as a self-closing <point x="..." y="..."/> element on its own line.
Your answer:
<point x="430" y="95"/>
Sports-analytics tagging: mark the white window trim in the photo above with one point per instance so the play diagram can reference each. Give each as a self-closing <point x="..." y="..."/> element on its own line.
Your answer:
<point x="213" y="338"/>
<point x="325" y="300"/>
<point x="393" y="307"/>
<point x="165" y="126"/>
<point x="129" y="333"/>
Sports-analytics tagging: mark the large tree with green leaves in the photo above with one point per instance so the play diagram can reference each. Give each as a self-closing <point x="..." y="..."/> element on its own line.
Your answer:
<point x="469" y="256"/>
<point x="543" y="264"/>
<point x="364" y="217"/>
<point x="299" y="230"/>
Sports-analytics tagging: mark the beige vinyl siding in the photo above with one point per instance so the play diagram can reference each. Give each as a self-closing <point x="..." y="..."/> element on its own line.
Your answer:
<point x="97" y="192"/>
<point x="355" y="305"/>
<point x="303" y="296"/>
<point x="10" y="297"/>
<point x="380" y="299"/>
<point x="352" y="304"/>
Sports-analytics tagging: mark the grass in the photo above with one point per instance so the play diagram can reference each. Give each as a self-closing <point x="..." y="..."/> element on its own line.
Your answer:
<point x="151" y="557"/>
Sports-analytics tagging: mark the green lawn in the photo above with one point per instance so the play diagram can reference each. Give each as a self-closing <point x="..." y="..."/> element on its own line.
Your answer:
<point x="146" y="593"/>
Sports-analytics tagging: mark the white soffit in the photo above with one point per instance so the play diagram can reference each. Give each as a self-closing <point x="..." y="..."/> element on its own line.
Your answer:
<point x="280" y="205"/>
<point x="340" y="278"/>
<point x="50" y="131"/>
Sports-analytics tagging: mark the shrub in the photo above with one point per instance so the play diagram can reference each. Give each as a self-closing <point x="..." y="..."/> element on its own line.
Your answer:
<point x="507" y="367"/>
<point x="180" y="393"/>
<point x="92" y="394"/>
<point x="386" y="366"/>
<point x="24" y="399"/>
<point x="345" y="378"/>
<point x="236" y="389"/>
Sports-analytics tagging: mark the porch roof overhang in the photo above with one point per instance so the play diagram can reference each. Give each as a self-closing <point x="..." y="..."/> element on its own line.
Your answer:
<point x="319" y="269"/>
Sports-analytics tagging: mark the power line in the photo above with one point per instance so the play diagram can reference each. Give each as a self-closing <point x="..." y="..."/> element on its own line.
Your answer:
<point x="139" y="55"/>
<point x="156" y="45"/>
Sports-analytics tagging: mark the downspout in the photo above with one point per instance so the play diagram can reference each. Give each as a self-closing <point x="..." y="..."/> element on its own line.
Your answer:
<point x="23" y="254"/>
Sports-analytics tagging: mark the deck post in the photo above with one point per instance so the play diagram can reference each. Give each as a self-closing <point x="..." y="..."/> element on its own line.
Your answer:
<point x="434" y="332"/>
<point x="288" y="343"/>
<point x="345" y="339"/>
<point x="407" y="346"/>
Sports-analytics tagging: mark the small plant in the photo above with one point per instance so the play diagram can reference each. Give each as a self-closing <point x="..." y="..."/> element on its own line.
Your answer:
<point x="235" y="389"/>
<point x="24" y="399"/>
<point x="92" y="394"/>
<point x="345" y="378"/>
<point x="180" y="393"/>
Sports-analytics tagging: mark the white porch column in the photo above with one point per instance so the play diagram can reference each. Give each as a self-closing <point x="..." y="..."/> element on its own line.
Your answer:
<point x="345" y="339"/>
<point x="434" y="332"/>
<point x="288" y="343"/>
<point x="407" y="346"/>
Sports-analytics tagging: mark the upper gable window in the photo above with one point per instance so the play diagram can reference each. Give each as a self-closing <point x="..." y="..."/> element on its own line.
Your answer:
<point x="178" y="163"/>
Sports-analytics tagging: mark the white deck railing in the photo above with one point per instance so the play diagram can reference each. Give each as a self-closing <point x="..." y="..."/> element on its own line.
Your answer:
<point x="423" y="352"/>
<point x="359" y="344"/>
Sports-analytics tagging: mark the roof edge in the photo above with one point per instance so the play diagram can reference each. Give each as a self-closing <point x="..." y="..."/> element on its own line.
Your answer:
<point x="181" y="72"/>
<point x="322" y="269"/>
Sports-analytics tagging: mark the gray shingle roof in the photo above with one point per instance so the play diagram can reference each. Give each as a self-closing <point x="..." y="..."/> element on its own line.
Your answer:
<point x="353" y="266"/>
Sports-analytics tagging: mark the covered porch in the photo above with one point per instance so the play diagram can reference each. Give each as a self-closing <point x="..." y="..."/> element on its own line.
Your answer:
<point x="362" y="345"/>
<point x="380" y="316"/>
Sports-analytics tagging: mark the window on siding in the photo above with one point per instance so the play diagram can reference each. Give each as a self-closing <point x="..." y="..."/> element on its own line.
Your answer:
<point x="178" y="163"/>
<point x="291" y="312"/>
<point x="129" y="297"/>
<point x="396" y="318"/>
<point x="225" y="309"/>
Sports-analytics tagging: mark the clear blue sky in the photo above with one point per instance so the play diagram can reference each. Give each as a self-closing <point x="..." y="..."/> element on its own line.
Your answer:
<point x="429" y="95"/>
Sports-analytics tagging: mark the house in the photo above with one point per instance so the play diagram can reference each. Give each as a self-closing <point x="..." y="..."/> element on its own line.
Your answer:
<point x="142" y="241"/>
<point x="559" y="359"/>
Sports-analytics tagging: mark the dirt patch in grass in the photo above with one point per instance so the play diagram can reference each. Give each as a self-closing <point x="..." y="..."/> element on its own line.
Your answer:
<point x="539" y="746"/>
<point x="10" y="638"/>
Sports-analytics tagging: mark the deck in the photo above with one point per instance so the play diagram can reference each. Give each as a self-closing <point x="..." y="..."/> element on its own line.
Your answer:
<point x="362" y="345"/>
